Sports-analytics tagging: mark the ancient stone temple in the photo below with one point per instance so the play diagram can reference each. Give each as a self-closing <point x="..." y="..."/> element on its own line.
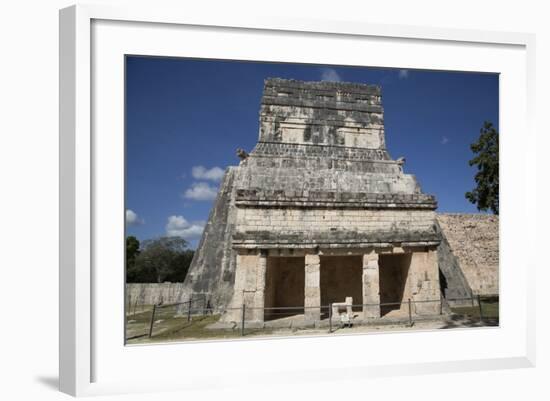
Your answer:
<point x="319" y="212"/>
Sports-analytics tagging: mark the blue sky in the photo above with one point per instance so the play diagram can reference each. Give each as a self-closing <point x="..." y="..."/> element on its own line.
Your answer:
<point x="185" y="118"/>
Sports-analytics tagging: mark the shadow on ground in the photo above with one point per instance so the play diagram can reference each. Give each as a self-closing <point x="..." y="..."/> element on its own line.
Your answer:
<point x="51" y="382"/>
<point x="459" y="321"/>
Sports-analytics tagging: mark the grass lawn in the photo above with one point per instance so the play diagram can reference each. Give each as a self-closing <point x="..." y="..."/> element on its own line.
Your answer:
<point x="489" y="309"/>
<point x="169" y="326"/>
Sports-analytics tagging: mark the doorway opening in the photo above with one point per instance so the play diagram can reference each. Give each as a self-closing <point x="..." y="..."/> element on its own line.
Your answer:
<point x="341" y="277"/>
<point x="284" y="287"/>
<point x="393" y="271"/>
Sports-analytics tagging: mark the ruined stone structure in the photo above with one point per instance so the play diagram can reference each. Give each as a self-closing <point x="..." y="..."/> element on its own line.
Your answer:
<point x="318" y="211"/>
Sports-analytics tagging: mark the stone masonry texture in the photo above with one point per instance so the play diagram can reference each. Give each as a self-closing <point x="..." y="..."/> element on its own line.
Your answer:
<point x="473" y="242"/>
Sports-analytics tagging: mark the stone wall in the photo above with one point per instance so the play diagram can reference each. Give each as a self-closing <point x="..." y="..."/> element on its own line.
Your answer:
<point x="323" y="220"/>
<point x="454" y="286"/>
<point x="301" y="227"/>
<point x="335" y="114"/>
<point x="153" y="293"/>
<point x="473" y="239"/>
<point x="326" y="172"/>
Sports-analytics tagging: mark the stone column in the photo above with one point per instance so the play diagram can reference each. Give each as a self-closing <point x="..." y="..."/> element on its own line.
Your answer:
<point x="259" y="296"/>
<point x="371" y="285"/>
<point x="424" y="282"/>
<point x="244" y="290"/>
<point x="312" y="290"/>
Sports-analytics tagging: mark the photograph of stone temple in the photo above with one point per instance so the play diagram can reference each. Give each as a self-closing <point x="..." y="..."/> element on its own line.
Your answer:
<point x="318" y="226"/>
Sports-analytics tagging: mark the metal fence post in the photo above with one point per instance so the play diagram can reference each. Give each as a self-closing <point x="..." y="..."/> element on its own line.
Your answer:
<point x="330" y="318"/>
<point x="189" y="310"/>
<point x="152" y="320"/>
<point x="242" y="320"/>
<point x="410" y="313"/>
<point x="480" y="310"/>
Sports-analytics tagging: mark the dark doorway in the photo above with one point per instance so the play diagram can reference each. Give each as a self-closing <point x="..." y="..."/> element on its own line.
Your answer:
<point x="284" y="287"/>
<point x="341" y="277"/>
<point x="394" y="270"/>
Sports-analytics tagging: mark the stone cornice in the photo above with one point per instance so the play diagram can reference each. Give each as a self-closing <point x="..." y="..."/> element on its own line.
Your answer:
<point x="317" y="199"/>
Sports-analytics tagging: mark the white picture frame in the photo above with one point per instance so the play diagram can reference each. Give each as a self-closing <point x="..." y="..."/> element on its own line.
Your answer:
<point x="85" y="356"/>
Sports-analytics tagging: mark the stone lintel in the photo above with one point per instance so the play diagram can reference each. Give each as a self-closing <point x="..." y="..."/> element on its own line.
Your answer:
<point x="367" y="198"/>
<point x="276" y="84"/>
<point x="277" y="203"/>
<point x="303" y="247"/>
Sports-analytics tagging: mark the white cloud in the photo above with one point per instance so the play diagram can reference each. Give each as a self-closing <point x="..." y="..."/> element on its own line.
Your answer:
<point x="444" y="140"/>
<point x="132" y="219"/>
<point x="178" y="226"/>
<point x="201" y="191"/>
<point x="329" y="74"/>
<point x="202" y="173"/>
<point x="403" y="74"/>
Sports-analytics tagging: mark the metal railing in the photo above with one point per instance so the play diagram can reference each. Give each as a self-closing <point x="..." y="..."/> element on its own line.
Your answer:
<point x="189" y="308"/>
<point x="250" y="319"/>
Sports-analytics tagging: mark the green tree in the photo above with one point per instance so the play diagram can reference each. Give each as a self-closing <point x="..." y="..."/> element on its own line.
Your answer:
<point x="180" y="266"/>
<point x="132" y="250"/>
<point x="161" y="259"/>
<point x="485" y="195"/>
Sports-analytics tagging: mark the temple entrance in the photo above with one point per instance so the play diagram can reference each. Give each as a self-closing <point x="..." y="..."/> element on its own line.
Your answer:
<point x="341" y="277"/>
<point x="284" y="287"/>
<point x="394" y="270"/>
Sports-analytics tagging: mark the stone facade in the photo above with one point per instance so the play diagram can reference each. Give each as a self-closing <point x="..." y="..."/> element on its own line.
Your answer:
<point x="319" y="199"/>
